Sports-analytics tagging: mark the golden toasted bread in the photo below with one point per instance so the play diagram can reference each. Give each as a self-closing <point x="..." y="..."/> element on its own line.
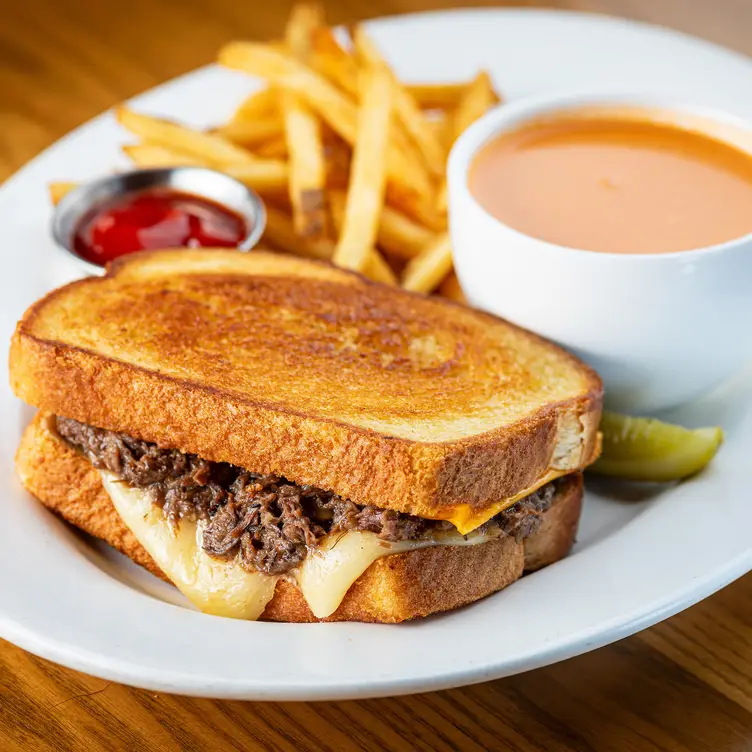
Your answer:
<point x="283" y="365"/>
<point x="394" y="588"/>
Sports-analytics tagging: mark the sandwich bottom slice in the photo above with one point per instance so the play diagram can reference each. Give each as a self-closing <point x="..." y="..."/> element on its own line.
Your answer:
<point x="251" y="546"/>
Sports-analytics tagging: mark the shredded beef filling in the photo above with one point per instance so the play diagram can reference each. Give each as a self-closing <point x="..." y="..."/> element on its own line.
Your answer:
<point x="271" y="522"/>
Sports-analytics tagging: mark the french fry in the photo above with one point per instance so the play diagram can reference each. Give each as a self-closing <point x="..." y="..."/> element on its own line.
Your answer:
<point x="332" y="106"/>
<point x="252" y="133"/>
<point x="438" y="125"/>
<point x="202" y="145"/>
<point x="304" y="19"/>
<point x="335" y="132"/>
<point x="406" y="109"/>
<point x="365" y="196"/>
<point x="345" y="73"/>
<point x="155" y="155"/>
<point x="337" y="156"/>
<point x="324" y="40"/>
<point x="330" y="70"/>
<point x="329" y="67"/>
<point x="59" y="190"/>
<point x="332" y="61"/>
<point x="401" y="236"/>
<point x="337" y="203"/>
<point x="341" y="115"/>
<point x="376" y="267"/>
<point x="307" y="166"/>
<point x="275" y="148"/>
<point x="279" y="200"/>
<point x="437" y="96"/>
<point x="305" y="147"/>
<point x="261" y="104"/>
<point x="263" y="175"/>
<point x="478" y="98"/>
<point x="285" y="71"/>
<point x="450" y="288"/>
<point x="426" y="271"/>
<point x="398" y="235"/>
<point x="259" y="60"/>
<point x="277" y="44"/>
<point x="303" y="132"/>
<point x="421" y="208"/>
<point x="281" y="234"/>
<point x="442" y="198"/>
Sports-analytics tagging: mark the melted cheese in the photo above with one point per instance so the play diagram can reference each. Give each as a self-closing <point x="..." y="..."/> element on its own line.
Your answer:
<point x="224" y="588"/>
<point x="568" y="456"/>
<point x="215" y="586"/>
<point x="329" y="572"/>
<point x="465" y="518"/>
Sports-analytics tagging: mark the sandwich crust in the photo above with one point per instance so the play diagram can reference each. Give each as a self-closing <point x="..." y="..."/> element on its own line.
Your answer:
<point x="394" y="588"/>
<point x="298" y="368"/>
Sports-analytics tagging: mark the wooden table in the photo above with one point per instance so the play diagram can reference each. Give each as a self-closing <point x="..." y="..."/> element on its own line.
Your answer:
<point x="685" y="684"/>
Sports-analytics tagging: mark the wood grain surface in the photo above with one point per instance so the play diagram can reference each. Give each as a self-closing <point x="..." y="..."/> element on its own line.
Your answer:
<point x="685" y="684"/>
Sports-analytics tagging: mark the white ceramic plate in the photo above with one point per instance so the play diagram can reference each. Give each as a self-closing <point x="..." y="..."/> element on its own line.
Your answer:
<point x="72" y="600"/>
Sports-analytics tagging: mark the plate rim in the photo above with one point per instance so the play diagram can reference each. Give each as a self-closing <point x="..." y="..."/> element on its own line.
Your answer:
<point x="185" y="684"/>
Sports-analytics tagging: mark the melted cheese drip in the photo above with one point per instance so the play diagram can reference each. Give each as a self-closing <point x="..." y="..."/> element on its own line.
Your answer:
<point x="224" y="588"/>
<point x="216" y="586"/>
<point x="329" y="572"/>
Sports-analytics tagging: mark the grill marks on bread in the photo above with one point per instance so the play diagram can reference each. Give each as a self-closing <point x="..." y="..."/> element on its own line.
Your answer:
<point x="344" y="351"/>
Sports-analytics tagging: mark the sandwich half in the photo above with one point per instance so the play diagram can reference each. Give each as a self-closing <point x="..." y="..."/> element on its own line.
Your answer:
<point x="286" y="440"/>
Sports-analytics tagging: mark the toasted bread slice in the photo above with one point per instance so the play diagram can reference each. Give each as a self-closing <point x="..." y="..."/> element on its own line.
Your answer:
<point x="279" y="364"/>
<point x="395" y="588"/>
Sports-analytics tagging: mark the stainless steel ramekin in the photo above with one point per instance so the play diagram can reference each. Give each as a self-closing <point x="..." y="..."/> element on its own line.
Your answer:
<point x="199" y="181"/>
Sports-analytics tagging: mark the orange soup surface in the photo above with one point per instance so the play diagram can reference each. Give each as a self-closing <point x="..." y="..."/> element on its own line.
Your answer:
<point x="617" y="185"/>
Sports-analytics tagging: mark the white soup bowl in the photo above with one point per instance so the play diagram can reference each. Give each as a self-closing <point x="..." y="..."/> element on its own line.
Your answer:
<point x="661" y="329"/>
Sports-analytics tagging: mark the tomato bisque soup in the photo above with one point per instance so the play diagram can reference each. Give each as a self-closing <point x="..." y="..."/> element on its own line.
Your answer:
<point x="615" y="184"/>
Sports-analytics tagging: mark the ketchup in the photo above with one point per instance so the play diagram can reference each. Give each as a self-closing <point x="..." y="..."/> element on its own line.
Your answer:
<point x="156" y="218"/>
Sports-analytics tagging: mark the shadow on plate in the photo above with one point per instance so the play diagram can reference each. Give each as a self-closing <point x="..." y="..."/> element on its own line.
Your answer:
<point x="616" y="489"/>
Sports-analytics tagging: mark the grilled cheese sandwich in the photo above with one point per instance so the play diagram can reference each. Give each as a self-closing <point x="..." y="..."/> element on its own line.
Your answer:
<point x="269" y="429"/>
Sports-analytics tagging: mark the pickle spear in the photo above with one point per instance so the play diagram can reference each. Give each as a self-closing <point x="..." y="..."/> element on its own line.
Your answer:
<point x="646" y="449"/>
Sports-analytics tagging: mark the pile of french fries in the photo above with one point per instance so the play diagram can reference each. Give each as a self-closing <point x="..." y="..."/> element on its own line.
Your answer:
<point x="350" y="161"/>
